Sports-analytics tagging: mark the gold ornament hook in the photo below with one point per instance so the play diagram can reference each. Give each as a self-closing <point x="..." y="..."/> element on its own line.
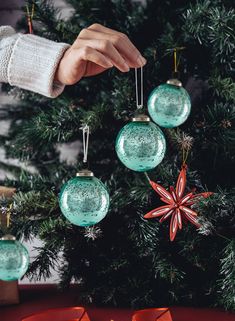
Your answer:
<point x="175" y="51"/>
<point x="177" y="61"/>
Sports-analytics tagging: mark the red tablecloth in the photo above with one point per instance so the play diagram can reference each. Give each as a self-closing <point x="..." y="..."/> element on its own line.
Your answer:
<point x="34" y="299"/>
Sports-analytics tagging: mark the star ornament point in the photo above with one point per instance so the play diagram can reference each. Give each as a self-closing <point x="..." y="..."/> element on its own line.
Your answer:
<point x="178" y="205"/>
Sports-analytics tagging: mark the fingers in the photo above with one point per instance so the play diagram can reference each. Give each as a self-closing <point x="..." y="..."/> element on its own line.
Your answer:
<point x="101" y="28"/>
<point x="120" y="42"/>
<point x="96" y="49"/>
<point x="81" y="62"/>
<point x="90" y="54"/>
<point x="108" y="50"/>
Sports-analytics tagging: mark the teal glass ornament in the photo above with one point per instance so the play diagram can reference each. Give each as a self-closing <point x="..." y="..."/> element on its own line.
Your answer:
<point x="14" y="259"/>
<point x="140" y="145"/>
<point x="169" y="104"/>
<point x="84" y="199"/>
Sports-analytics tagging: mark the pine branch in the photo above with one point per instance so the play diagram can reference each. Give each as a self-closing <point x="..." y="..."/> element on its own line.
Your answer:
<point x="43" y="264"/>
<point x="223" y="87"/>
<point x="227" y="273"/>
<point x="212" y="26"/>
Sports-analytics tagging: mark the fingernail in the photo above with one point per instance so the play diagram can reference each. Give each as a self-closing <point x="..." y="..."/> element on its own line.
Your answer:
<point x="141" y="61"/>
<point x="126" y="67"/>
<point x="109" y="63"/>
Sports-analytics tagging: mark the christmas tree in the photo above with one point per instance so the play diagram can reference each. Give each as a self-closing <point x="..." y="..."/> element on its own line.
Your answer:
<point x="126" y="259"/>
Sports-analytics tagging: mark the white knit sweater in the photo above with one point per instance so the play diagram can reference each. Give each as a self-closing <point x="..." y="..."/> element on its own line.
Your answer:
<point x="30" y="62"/>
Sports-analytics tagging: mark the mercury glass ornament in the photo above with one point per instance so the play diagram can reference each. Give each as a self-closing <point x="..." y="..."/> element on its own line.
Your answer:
<point x="84" y="199"/>
<point x="140" y="145"/>
<point x="14" y="259"/>
<point x="169" y="104"/>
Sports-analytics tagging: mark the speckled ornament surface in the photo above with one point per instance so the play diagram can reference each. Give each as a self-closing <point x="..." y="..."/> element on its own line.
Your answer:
<point x="140" y="146"/>
<point x="169" y="106"/>
<point x="14" y="260"/>
<point x="84" y="201"/>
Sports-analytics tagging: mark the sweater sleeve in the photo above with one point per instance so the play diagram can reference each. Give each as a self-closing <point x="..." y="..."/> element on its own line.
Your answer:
<point x="30" y="62"/>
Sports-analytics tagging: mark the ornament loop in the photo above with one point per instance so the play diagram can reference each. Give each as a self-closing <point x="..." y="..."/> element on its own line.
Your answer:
<point x="175" y="61"/>
<point x="185" y="154"/>
<point x="30" y="16"/>
<point x="140" y="104"/>
<point x="85" y="140"/>
<point x="176" y="58"/>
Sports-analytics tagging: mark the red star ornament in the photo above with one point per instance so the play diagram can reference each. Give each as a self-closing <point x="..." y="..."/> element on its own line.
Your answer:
<point x="178" y="206"/>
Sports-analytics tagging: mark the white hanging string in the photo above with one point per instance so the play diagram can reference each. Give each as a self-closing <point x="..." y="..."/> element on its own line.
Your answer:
<point x="141" y="104"/>
<point x="85" y="141"/>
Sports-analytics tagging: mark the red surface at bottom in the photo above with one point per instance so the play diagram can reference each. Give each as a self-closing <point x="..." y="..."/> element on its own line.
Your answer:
<point x="38" y="298"/>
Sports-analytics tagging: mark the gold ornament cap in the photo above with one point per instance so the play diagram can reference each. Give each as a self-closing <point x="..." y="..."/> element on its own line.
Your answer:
<point x="85" y="173"/>
<point x="141" y="117"/>
<point x="174" y="82"/>
<point x="8" y="237"/>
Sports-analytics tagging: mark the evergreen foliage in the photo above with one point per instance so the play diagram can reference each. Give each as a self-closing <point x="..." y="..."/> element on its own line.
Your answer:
<point x="127" y="260"/>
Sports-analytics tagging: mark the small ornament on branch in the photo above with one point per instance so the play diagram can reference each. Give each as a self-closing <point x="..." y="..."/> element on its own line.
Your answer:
<point x="92" y="232"/>
<point x="5" y="215"/>
<point x="14" y="257"/>
<point x="169" y="104"/>
<point x="184" y="141"/>
<point x="84" y="199"/>
<point x="178" y="204"/>
<point x="140" y="144"/>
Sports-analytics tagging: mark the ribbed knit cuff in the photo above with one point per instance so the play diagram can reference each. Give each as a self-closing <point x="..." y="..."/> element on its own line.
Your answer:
<point x="8" y="38"/>
<point x="33" y="64"/>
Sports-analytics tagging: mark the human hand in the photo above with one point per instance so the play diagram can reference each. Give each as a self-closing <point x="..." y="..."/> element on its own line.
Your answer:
<point x="96" y="49"/>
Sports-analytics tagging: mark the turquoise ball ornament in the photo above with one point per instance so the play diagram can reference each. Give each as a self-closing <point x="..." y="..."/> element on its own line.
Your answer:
<point x="84" y="199"/>
<point x="140" y="145"/>
<point x="169" y="104"/>
<point x="14" y="259"/>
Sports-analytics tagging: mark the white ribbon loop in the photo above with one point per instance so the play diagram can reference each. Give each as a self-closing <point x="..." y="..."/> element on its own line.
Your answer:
<point x="85" y="141"/>
<point x="141" y="104"/>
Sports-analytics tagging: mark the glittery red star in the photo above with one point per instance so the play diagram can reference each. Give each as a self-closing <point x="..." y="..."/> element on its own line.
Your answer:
<point x="178" y="206"/>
